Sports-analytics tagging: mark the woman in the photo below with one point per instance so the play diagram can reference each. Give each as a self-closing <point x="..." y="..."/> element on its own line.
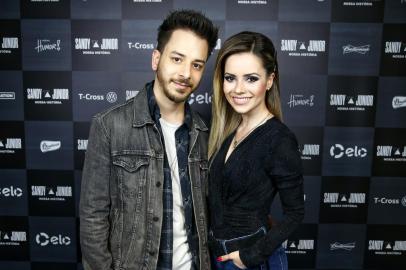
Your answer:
<point x="253" y="155"/>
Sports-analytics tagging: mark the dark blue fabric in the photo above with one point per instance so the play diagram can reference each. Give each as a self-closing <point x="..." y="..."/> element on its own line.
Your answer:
<point x="182" y="149"/>
<point x="277" y="261"/>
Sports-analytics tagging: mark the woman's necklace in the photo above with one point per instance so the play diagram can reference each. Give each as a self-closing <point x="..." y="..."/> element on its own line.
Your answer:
<point x="237" y="142"/>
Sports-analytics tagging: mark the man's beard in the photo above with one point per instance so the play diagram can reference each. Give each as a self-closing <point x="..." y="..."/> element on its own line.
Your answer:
<point x="165" y="85"/>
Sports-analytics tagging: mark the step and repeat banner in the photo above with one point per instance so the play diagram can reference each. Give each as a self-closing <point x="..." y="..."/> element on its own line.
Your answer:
<point x="343" y="86"/>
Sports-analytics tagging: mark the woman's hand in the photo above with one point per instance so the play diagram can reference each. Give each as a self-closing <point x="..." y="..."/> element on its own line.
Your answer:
<point x="235" y="257"/>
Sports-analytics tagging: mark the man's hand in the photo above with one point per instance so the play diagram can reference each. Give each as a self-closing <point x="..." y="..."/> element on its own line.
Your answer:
<point x="235" y="257"/>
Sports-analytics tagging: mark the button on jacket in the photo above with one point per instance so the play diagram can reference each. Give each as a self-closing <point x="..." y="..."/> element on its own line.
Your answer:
<point x="121" y="206"/>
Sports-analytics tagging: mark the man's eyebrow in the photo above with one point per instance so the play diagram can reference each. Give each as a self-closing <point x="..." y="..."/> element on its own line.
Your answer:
<point x="178" y="53"/>
<point x="182" y="55"/>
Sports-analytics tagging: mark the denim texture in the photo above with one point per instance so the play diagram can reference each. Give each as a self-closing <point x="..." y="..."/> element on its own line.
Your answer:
<point x="121" y="206"/>
<point x="277" y="261"/>
<point x="241" y="190"/>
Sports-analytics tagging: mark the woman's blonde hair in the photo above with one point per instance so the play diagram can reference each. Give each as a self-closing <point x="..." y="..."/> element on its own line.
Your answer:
<point x="224" y="119"/>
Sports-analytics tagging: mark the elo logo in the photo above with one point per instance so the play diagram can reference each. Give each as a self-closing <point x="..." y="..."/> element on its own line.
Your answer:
<point x="338" y="151"/>
<point x="200" y="99"/>
<point x="11" y="192"/>
<point x="44" y="239"/>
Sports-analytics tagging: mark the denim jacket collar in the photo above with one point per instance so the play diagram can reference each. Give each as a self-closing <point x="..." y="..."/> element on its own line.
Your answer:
<point x="146" y="110"/>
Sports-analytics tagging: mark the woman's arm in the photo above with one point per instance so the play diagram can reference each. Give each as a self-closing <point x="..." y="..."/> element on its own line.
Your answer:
<point x="284" y="168"/>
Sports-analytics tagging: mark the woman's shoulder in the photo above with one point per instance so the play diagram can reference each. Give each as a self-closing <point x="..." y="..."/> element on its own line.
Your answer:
<point x="283" y="147"/>
<point x="277" y="130"/>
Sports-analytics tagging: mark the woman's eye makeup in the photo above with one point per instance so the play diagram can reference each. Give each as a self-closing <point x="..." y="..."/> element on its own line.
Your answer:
<point x="249" y="78"/>
<point x="229" y="78"/>
<point x="252" y="78"/>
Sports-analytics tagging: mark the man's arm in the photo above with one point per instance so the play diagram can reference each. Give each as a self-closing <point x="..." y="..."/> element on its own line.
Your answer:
<point x="94" y="204"/>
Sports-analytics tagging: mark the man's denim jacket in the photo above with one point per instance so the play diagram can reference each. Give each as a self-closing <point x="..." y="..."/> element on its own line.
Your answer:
<point x="121" y="198"/>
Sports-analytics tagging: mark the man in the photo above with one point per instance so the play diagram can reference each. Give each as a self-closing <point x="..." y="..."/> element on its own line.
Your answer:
<point x="142" y="201"/>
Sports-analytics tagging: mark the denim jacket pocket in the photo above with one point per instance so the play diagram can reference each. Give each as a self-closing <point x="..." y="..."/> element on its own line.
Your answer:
<point x="130" y="163"/>
<point x="132" y="173"/>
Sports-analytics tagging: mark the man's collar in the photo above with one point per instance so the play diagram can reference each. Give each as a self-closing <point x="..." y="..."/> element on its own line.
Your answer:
<point x="142" y="110"/>
<point x="154" y="109"/>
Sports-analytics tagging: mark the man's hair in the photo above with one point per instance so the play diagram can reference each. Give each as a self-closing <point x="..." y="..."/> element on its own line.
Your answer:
<point x="187" y="20"/>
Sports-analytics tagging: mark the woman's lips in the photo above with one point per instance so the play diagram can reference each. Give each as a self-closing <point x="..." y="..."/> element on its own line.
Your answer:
<point x="241" y="100"/>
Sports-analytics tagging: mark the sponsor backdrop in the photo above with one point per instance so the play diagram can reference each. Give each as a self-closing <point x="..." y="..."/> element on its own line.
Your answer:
<point x="343" y="87"/>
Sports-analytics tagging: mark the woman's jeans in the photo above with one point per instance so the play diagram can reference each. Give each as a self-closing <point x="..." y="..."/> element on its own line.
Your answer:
<point x="277" y="261"/>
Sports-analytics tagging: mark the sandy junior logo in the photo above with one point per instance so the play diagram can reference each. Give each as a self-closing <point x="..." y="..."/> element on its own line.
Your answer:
<point x="10" y="145"/>
<point x="130" y="94"/>
<point x="351" y="102"/>
<point x="363" y="3"/>
<point x="303" y="48"/>
<point x="310" y="150"/>
<point x="391" y="152"/>
<point x="12" y="238"/>
<point x="96" y="46"/>
<point x="8" y="44"/>
<point x="382" y="247"/>
<point x="252" y="2"/>
<point x="393" y="46"/>
<point x="396" y="49"/>
<point x="82" y="144"/>
<point x="48" y="96"/>
<point x="55" y="193"/>
<point x="344" y="200"/>
<point x="301" y="246"/>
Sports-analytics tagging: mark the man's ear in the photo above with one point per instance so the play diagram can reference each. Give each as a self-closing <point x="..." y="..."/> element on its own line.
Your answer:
<point x="156" y="55"/>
